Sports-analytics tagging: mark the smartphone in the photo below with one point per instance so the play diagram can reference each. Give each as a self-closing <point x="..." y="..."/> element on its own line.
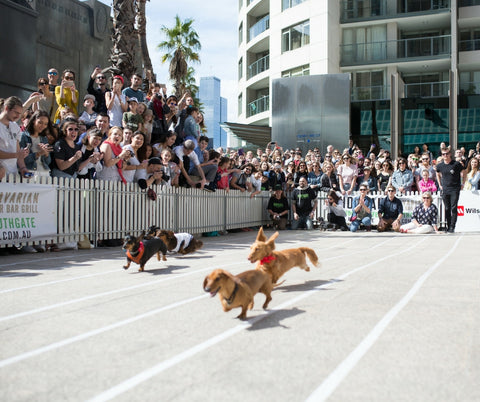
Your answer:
<point x="28" y="175"/>
<point x="240" y="151"/>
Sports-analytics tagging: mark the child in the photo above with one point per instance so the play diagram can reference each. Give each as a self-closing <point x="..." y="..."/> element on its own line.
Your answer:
<point x="88" y="116"/>
<point x="132" y="119"/>
<point x="148" y="125"/>
<point x="171" y="171"/>
<point x="426" y="184"/>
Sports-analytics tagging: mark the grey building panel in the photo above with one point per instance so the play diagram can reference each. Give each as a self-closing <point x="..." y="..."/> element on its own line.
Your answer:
<point x="311" y="111"/>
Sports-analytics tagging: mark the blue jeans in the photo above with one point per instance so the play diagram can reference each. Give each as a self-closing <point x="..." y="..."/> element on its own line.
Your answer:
<point x="367" y="221"/>
<point x="302" y="221"/>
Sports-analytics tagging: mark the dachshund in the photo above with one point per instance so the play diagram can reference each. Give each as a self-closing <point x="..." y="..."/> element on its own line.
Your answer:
<point x="182" y="243"/>
<point x="140" y="251"/>
<point x="276" y="263"/>
<point x="238" y="291"/>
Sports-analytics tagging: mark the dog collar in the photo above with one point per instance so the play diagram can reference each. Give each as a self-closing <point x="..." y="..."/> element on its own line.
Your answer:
<point x="136" y="256"/>
<point x="267" y="259"/>
<point x="232" y="296"/>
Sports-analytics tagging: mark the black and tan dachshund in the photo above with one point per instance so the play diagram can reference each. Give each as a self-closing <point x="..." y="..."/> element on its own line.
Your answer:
<point x="182" y="243"/>
<point x="140" y="250"/>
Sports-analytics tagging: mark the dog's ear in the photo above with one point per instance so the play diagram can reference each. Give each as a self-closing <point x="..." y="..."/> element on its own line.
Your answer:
<point x="271" y="241"/>
<point x="273" y="236"/>
<point x="261" y="236"/>
<point x="142" y="235"/>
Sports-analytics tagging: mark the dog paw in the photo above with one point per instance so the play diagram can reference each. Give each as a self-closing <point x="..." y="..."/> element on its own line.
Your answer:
<point x="140" y="269"/>
<point x="125" y="267"/>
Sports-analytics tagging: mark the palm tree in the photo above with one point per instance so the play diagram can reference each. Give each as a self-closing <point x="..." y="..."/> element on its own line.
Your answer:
<point x="181" y="47"/>
<point x="142" y="36"/>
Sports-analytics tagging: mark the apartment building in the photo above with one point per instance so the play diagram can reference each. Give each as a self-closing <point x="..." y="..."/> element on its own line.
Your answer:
<point x="414" y="65"/>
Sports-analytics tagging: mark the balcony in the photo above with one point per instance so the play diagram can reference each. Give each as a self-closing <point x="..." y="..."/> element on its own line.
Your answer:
<point x="258" y="106"/>
<point x="352" y="11"/>
<point x="427" y="89"/>
<point x="469" y="88"/>
<point x="412" y="49"/>
<point x="261" y="26"/>
<point x="468" y="3"/>
<point x="258" y="67"/>
<point x="374" y="92"/>
<point x="469" y="45"/>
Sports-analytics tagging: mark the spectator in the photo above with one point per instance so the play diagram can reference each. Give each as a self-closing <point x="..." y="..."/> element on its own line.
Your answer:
<point x="300" y="172"/>
<point x="360" y="166"/>
<point x="135" y="167"/>
<point x="190" y="128"/>
<point x="209" y="166"/>
<point x="154" y="174"/>
<point x="134" y="91"/>
<point x="67" y="153"/>
<point x="424" y="217"/>
<point x="277" y="176"/>
<point x="102" y="122"/>
<point x="127" y="136"/>
<point x="426" y="184"/>
<point x="278" y="208"/>
<point x="241" y="181"/>
<point x="256" y="183"/>
<point x="116" y="102"/>
<point x="304" y="204"/>
<point x="97" y="86"/>
<point x="225" y="170"/>
<point x="402" y="178"/>
<point x="132" y="119"/>
<point x="329" y="180"/>
<point x="113" y="156"/>
<point x="34" y="138"/>
<point x="347" y="174"/>
<point x="384" y="176"/>
<point x="90" y="162"/>
<point x="148" y="125"/>
<point x="390" y="211"/>
<point x="425" y="165"/>
<point x="187" y="157"/>
<point x="66" y="94"/>
<point x="449" y="174"/>
<point x="361" y="210"/>
<point x="314" y="178"/>
<point x="89" y="115"/>
<point x="171" y="171"/>
<point x="43" y="99"/>
<point x="11" y="155"/>
<point x="52" y="76"/>
<point x="371" y="181"/>
<point x="336" y="214"/>
<point x="473" y="175"/>
<point x="167" y="143"/>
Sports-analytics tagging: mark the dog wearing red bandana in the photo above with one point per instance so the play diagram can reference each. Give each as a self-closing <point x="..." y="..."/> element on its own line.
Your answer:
<point x="276" y="263"/>
<point x="140" y="250"/>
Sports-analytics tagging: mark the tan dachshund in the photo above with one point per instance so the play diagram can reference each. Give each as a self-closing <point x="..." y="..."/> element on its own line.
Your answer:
<point x="276" y="263"/>
<point x="182" y="243"/>
<point x="238" y="291"/>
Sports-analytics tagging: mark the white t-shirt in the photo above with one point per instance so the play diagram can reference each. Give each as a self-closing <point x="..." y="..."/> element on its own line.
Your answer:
<point x="9" y="138"/>
<point x="193" y="156"/>
<point x="182" y="237"/>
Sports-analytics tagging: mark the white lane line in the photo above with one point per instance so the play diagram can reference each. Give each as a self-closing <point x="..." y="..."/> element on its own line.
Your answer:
<point x="111" y="292"/>
<point x="98" y="331"/>
<point x="162" y="366"/>
<point x="58" y="281"/>
<point x="329" y="385"/>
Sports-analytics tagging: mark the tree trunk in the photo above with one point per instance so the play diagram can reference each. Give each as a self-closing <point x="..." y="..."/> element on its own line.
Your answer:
<point x="124" y="38"/>
<point x="142" y="37"/>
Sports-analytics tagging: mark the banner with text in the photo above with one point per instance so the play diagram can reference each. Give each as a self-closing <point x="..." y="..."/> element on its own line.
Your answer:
<point x="27" y="213"/>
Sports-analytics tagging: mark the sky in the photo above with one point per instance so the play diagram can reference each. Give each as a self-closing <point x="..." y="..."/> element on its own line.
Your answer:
<point x="216" y="25"/>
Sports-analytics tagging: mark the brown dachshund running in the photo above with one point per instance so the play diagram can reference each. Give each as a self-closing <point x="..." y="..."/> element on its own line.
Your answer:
<point x="238" y="291"/>
<point x="276" y="263"/>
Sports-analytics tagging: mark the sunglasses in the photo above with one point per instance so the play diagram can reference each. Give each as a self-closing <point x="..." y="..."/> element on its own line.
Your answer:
<point x="69" y="78"/>
<point x="100" y="77"/>
<point x="43" y="83"/>
<point x="445" y="153"/>
<point x="363" y="189"/>
<point x="391" y="191"/>
<point x="52" y="73"/>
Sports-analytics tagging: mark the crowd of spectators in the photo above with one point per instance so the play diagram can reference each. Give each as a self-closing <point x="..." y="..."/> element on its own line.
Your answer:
<point x="122" y="134"/>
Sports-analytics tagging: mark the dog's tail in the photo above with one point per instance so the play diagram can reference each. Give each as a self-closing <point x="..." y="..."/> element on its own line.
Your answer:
<point x="278" y="284"/>
<point x="312" y="256"/>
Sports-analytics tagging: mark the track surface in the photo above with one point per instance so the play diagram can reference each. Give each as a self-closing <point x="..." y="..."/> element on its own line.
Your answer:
<point x="386" y="317"/>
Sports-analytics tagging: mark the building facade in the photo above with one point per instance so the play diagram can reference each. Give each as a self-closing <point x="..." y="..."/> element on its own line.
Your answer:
<point x="214" y="110"/>
<point x="414" y="65"/>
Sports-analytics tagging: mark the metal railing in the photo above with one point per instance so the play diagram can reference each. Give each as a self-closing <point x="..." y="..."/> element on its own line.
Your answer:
<point x="427" y="89"/>
<point x="258" y="66"/>
<point x="469" y="45"/>
<point x="374" y="92"/>
<point x="259" y="27"/>
<point x="258" y="106"/>
<point x="395" y="50"/>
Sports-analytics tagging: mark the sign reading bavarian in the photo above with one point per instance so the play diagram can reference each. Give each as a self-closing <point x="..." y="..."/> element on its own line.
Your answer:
<point x="27" y="213"/>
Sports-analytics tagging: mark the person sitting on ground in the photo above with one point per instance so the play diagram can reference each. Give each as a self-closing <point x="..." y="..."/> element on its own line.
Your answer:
<point x="278" y="208"/>
<point x="361" y="210"/>
<point x="402" y="178"/>
<point x="390" y="211"/>
<point x="424" y="217"/>
<point x="336" y="214"/>
<point x="426" y="184"/>
<point x="304" y="204"/>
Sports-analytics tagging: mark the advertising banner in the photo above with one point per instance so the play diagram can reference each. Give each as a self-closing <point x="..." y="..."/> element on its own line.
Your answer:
<point x="468" y="212"/>
<point x="27" y="213"/>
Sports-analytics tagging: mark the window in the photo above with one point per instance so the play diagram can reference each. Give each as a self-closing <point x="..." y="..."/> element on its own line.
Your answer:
<point x="295" y="72"/>
<point x="239" y="105"/>
<point x="290" y="3"/>
<point x="240" y="68"/>
<point x="240" y="33"/>
<point x="369" y="85"/>
<point x="296" y="36"/>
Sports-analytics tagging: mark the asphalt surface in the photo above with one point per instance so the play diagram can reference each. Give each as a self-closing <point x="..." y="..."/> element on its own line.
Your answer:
<point x="387" y="317"/>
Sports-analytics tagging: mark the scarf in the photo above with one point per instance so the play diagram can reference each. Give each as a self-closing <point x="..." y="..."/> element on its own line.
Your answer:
<point x="138" y="255"/>
<point x="117" y="150"/>
<point x="157" y="107"/>
<point x="267" y="259"/>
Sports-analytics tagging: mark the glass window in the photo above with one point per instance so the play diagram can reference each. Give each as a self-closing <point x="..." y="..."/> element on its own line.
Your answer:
<point x="290" y="3"/>
<point x="240" y="68"/>
<point x="240" y="33"/>
<point x="295" y="72"/>
<point x="296" y="36"/>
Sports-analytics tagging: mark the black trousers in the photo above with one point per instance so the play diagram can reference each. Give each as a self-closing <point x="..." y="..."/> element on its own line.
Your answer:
<point x="450" y="200"/>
